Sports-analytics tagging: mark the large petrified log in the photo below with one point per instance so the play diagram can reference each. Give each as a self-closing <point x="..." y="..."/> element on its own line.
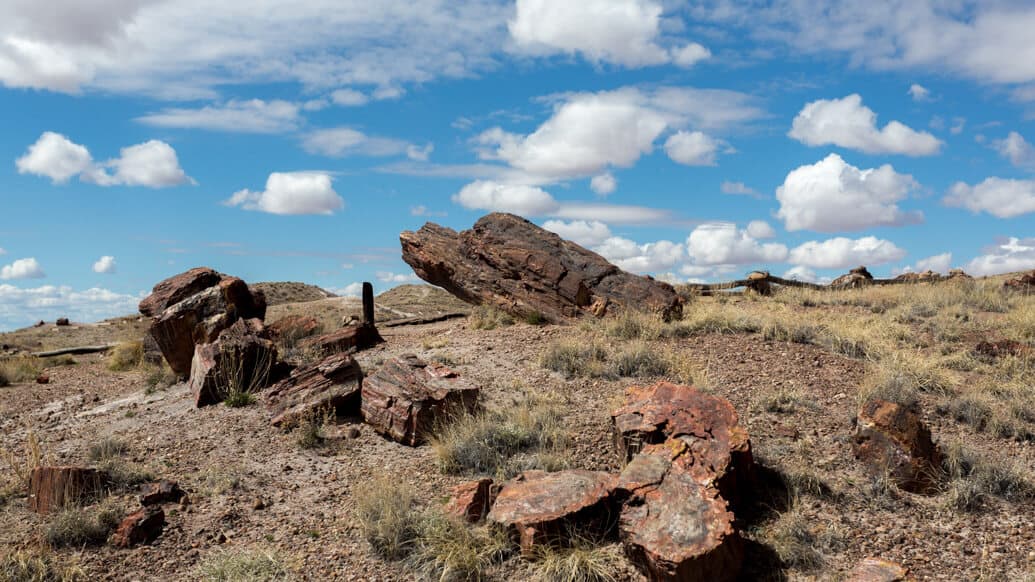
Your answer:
<point x="891" y="439"/>
<point x="512" y="264"/>
<point x="691" y="422"/>
<point x="672" y="525"/>
<point x="240" y="359"/>
<point x="184" y="316"/>
<point x="355" y="337"/>
<point x="332" y="384"/>
<point x="540" y="508"/>
<point x="405" y="398"/>
<point x="52" y="488"/>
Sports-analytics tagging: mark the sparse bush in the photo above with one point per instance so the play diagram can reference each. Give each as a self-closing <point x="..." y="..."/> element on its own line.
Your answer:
<point x="56" y="361"/>
<point x="535" y="318"/>
<point x="580" y="560"/>
<point x="445" y="549"/>
<point x="974" y="479"/>
<point x="631" y="325"/>
<point x="968" y="409"/>
<point x="888" y="385"/>
<point x="159" y="378"/>
<point x="309" y="434"/>
<point x="20" y="369"/>
<point x="638" y="359"/>
<point x="796" y="333"/>
<point x="123" y="474"/>
<point x="38" y="565"/>
<point x="238" y="379"/>
<point x="252" y="565"/>
<point x="387" y="516"/>
<point x="792" y="540"/>
<point x="573" y="359"/>
<point x="126" y="356"/>
<point x="21" y="463"/>
<point x="78" y="527"/>
<point x="107" y="448"/>
<point x="526" y="435"/>
<point x="489" y="317"/>
<point x="719" y="318"/>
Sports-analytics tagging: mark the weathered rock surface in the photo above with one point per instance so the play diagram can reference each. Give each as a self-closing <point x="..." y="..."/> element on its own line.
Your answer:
<point x="538" y="507"/>
<point x="140" y="527"/>
<point x="241" y="357"/>
<point x="857" y="277"/>
<point x="62" y="322"/>
<point x="704" y="427"/>
<point x="1002" y="348"/>
<point x="197" y="318"/>
<point x="292" y="328"/>
<point x="1023" y="282"/>
<point x="161" y="492"/>
<point x="471" y="501"/>
<point x="508" y="262"/>
<point x="333" y="384"/>
<point x="890" y="437"/>
<point x="927" y="275"/>
<point x="349" y="338"/>
<point x="406" y="396"/>
<point x="878" y="570"/>
<point x="672" y="526"/>
<point x="53" y="488"/>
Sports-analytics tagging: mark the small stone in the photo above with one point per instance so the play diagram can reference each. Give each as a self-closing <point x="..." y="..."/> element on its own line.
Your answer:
<point x="258" y="504"/>
<point x="43" y="379"/>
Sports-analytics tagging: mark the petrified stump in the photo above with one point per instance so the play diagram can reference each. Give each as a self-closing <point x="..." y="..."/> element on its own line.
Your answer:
<point x="53" y="488"/>
<point x="471" y="501"/>
<point x="405" y="398"/>
<point x="198" y="317"/>
<point x="538" y="507"/>
<point x="704" y="426"/>
<point x="672" y="526"/>
<point x="240" y="359"/>
<point x="332" y="384"/>
<point x="140" y="527"/>
<point x="508" y="262"/>
<point x="891" y="439"/>
<point x="878" y="570"/>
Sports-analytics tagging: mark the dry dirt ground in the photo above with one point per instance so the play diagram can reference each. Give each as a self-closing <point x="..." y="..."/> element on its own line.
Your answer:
<point x="253" y="488"/>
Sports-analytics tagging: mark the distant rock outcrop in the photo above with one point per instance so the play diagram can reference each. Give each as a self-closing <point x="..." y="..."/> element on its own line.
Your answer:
<point x="1023" y="282"/>
<point x="857" y="277"/>
<point x="508" y="262"/>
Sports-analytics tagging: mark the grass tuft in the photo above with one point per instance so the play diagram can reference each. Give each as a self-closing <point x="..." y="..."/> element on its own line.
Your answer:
<point x="126" y="356"/>
<point x="572" y="359"/>
<point x="580" y="561"/>
<point x="445" y="549"/>
<point x="488" y="317"/>
<point x="79" y="527"/>
<point x="20" y="369"/>
<point x="38" y="565"/>
<point x="253" y="565"/>
<point x="107" y="448"/>
<point x="387" y="516"/>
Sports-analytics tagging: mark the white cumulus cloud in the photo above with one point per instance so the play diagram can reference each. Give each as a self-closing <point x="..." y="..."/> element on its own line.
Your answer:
<point x="841" y="252"/>
<point x="739" y="189"/>
<point x="603" y="184"/>
<point x="56" y="157"/>
<point x="919" y="92"/>
<point x="832" y="195"/>
<point x="586" y="233"/>
<point x="725" y="244"/>
<point x="292" y="193"/>
<point x="345" y="141"/>
<point x="1016" y="149"/>
<point x="997" y="196"/>
<point x="760" y="229"/>
<point x="250" y="116"/>
<point x="22" y="307"/>
<point x="105" y="265"/>
<point x="848" y="123"/>
<point x="1015" y="254"/>
<point x="390" y="277"/>
<point x="937" y="263"/>
<point x="517" y="199"/>
<point x="22" y="269"/>
<point x="692" y="148"/>
<point x="153" y="164"/>
<point x="642" y="258"/>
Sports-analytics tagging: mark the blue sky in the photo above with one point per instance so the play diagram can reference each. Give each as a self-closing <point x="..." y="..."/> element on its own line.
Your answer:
<point x="280" y="140"/>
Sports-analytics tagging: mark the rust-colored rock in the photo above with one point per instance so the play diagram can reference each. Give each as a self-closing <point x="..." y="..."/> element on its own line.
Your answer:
<point x="240" y="357"/>
<point x="292" y="328"/>
<point x="878" y="570"/>
<point x="161" y="492"/>
<point x="672" y="526"/>
<point x="471" y="501"/>
<point x="1002" y="348"/>
<point x="758" y="281"/>
<point x="890" y="437"/>
<point x="958" y="274"/>
<point x="538" y="507"/>
<point x="857" y="277"/>
<point x="140" y="527"/>
<point x="405" y="398"/>
<point x="53" y="488"/>
<point x="706" y="426"/>
<point x="198" y="318"/>
<point x="43" y="379"/>
<point x="62" y="322"/>
<point x="1023" y="282"/>
<point x="177" y="288"/>
<point x="509" y="263"/>
<point x="927" y="275"/>
<point x="351" y="338"/>
<point x="331" y="384"/>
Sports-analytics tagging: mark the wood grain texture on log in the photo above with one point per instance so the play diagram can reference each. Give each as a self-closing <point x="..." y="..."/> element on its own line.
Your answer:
<point x="507" y="262"/>
<point x="331" y="384"/>
<point x="54" y="488"/>
<point x="75" y="351"/>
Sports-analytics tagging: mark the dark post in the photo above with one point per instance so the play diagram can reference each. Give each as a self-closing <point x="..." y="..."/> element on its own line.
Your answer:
<point x="368" y="304"/>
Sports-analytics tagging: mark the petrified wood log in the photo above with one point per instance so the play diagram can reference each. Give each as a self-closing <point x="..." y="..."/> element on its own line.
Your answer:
<point x="891" y="439"/>
<point x="332" y="384"/>
<point x="508" y="262"/>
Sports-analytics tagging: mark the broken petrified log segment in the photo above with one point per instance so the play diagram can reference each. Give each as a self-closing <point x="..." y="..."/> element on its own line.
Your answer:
<point x="507" y="262"/>
<point x="332" y="384"/>
<point x="878" y="570"/>
<point x="857" y="277"/>
<point x="673" y="527"/>
<point x="537" y="507"/>
<point x="161" y="492"/>
<point x="891" y="439"/>
<point x="1023" y="282"/>
<point x="706" y="426"/>
<point x="198" y="317"/>
<point x="241" y="359"/>
<point x="53" y="488"/>
<point x="471" y="501"/>
<point x="405" y="398"/>
<point x="140" y="527"/>
<point x="1000" y="348"/>
<point x="347" y="339"/>
<point x="292" y="328"/>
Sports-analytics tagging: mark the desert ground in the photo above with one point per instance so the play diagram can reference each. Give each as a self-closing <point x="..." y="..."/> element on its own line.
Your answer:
<point x="270" y="504"/>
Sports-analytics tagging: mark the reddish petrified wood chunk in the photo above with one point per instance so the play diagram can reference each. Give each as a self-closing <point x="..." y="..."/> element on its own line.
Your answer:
<point x="53" y="488"/>
<point x="161" y="492"/>
<point x="140" y="527"/>
<point x="472" y="500"/>
<point x="332" y="384"/>
<point x="878" y="570"/>
<point x="890" y="438"/>
<point x="240" y="357"/>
